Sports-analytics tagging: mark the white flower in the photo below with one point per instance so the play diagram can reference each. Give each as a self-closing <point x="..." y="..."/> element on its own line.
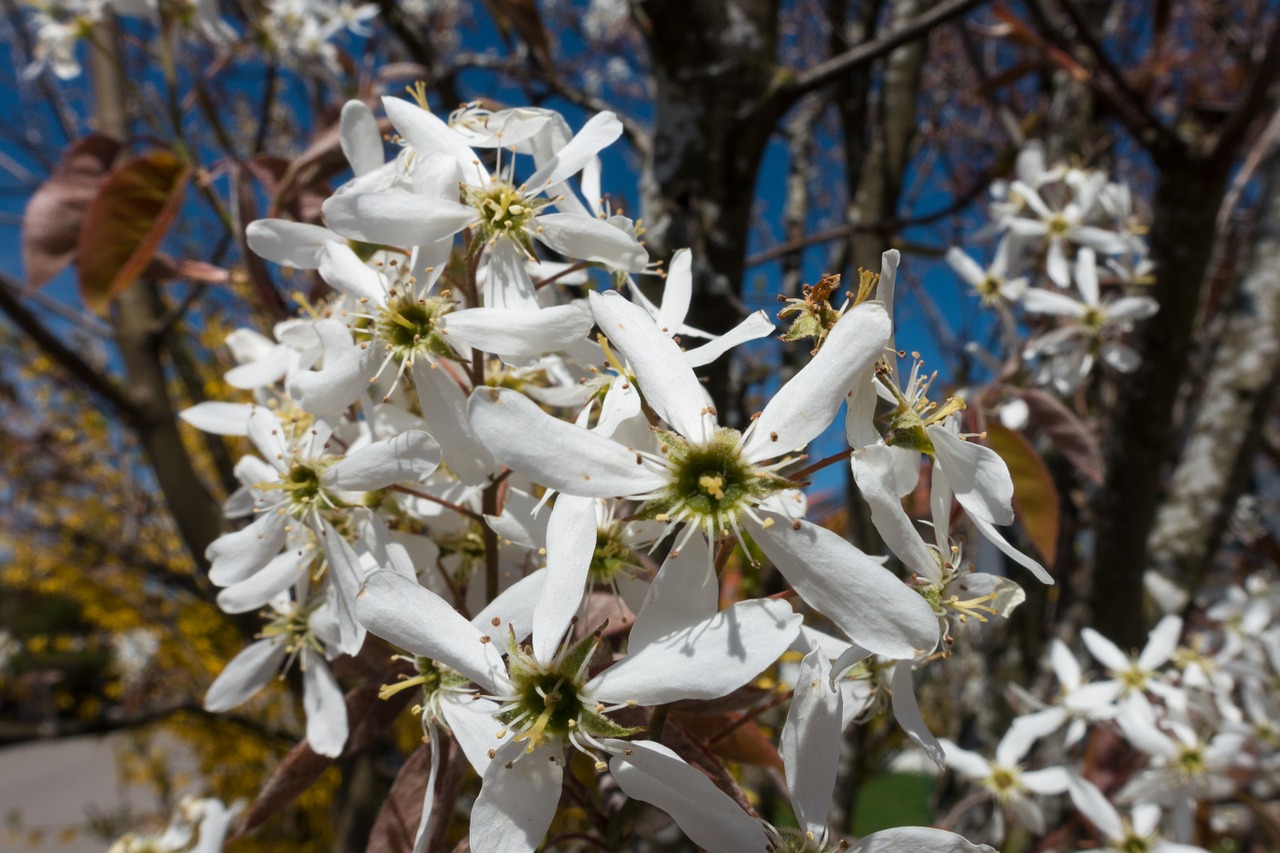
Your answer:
<point x="308" y="635"/>
<point x="653" y="773"/>
<point x="504" y="216"/>
<point x="715" y="479"/>
<point x="1123" y="836"/>
<point x="546" y="700"/>
<point x="1059" y="227"/>
<point x="1004" y="778"/>
<point x="1092" y="327"/>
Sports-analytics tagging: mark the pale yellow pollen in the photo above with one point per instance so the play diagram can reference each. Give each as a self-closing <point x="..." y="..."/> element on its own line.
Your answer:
<point x="712" y="484"/>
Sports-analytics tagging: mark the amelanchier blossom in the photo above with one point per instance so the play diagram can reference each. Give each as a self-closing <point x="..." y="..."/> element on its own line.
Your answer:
<point x="715" y="479"/>
<point x="809" y="746"/>
<point x="1091" y="327"/>
<point x="548" y="701"/>
<point x="1013" y="789"/>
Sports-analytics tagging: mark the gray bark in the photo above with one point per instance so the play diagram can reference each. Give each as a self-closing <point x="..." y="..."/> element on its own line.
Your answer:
<point x="1240" y="385"/>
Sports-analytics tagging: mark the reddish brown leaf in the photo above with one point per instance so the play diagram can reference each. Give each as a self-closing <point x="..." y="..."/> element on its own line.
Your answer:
<point x="1035" y="498"/>
<point x="51" y="222"/>
<point x="1070" y="436"/>
<point x="367" y="716"/>
<point x="125" y="223"/>
<point x="397" y="823"/>
<point x="747" y="743"/>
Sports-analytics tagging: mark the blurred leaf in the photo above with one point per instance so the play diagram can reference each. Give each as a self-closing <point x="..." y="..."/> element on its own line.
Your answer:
<point x="396" y="826"/>
<point x="892" y="800"/>
<point x="126" y="222"/>
<point x="367" y="716"/>
<point x="1034" y="496"/>
<point x="747" y="743"/>
<point x="1070" y="436"/>
<point x="51" y="222"/>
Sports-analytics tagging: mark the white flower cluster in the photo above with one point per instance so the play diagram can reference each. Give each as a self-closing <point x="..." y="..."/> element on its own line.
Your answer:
<point x="1053" y="223"/>
<point x="1198" y="706"/>
<point x="298" y="33"/>
<point x="449" y="459"/>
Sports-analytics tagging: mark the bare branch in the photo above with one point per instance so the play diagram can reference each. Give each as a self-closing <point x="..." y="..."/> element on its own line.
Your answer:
<point x="825" y="72"/>
<point x="86" y="374"/>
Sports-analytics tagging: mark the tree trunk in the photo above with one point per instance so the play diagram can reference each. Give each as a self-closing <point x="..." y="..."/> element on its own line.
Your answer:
<point x="1237" y="395"/>
<point x="1188" y="193"/>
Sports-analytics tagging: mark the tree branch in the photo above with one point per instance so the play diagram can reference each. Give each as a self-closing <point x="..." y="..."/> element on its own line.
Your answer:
<point x="1254" y="101"/>
<point x="825" y="72"/>
<point x="83" y="372"/>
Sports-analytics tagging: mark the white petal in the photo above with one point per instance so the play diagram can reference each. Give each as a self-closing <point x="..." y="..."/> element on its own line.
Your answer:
<point x="244" y="675"/>
<point x="571" y="542"/>
<point x="347" y="574"/>
<point x="410" y="457"/>
<point x="397" y="218"/>
<point x="554" y="453"/>
<point x="653" y="773"/>
<point x="677" y="292"/>
<point x="235" y="556"/>
<point x="425" y="132"/>
<point x="444" y="405"/>
<point x="345" y="272"/>
<point x="683" y="593"/>
<point x="1104" y="651"/>
<point x="756" y="326"/>
<point x="325" y="706"/>
<point x="601" y="131"/>
<point x="345" y="375"/>
<point x="1023" y="732"/>
<point x="1132" y="308"/>
<point x="256" y="590"/>
<point x="810" y="743"/>
<point x="290" y="244"/>
<point x="859" y="421"/>
<point x="917" y="839"/>
<point x="514" y="607"/>
<point x="1123" y="358"/>
<point x="1065" y="665"/>
<point x="1161" y="644"/>
<point x="1096" y="808"/>
<point x="420" y="622"/>
<point x="976" y="474"/>
<point x="994" y="537"/>
<point x="517" y="802"/>
<point x="965" y="267"/>
<point x="1055" y="263"/>
<point x="361" y="140"/>
<point x="966" y="763"/>
<point x="506" y="281"/>
<point x="807" y="404"/>
<point x="1037" y="300"/>
<point x="907" y="712"/>
<point x="703" y="661"/>
<point x="1087" y="275"/>
<point x="666" y="380"/>
<point x="865" y="600"/>
<point x="474" y="727"/>
<point x="1051" y="780"/>
<point x="264" y="371"/>
<point x="870" y="466"/>
<point x="519" y="333"/>
<point x="1106" y="242"/>
<point x="591" y="240"/>
<point x="219" y="418"/>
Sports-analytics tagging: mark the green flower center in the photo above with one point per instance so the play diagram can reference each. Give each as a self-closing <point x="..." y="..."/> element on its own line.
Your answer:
<point x="407" y="326"/>
<point x="1191" y="761"/>
<point x="789" y="839"/>
<point x="710" y="484"/>
<point x="505" y="211"/>
<point x="1134" y="844"/>
<point x="611" y="557"/>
